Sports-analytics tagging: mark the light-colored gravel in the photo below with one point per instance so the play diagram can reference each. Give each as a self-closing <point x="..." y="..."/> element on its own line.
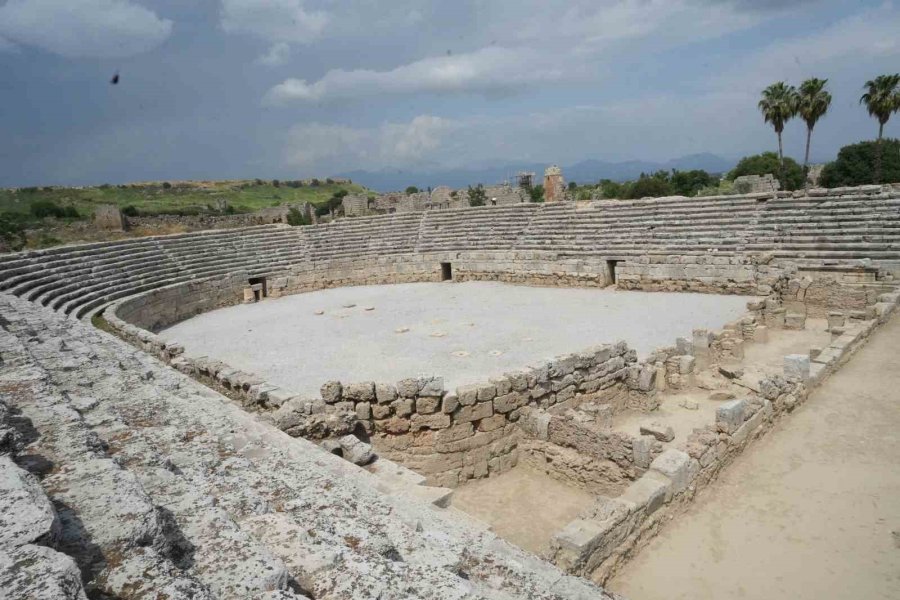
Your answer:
<point x="465" y="332"/>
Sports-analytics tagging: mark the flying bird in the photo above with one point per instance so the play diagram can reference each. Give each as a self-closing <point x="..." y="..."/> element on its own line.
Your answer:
<point x="115" y="79"/>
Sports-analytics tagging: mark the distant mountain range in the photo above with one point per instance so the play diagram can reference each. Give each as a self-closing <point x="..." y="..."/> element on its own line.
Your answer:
<point x="586" y="171"/>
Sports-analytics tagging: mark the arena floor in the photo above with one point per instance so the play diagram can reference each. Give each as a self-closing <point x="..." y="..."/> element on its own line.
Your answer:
<point x="465" y="332"/>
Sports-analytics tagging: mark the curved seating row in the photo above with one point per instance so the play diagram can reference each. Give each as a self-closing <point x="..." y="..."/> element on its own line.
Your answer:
<point x="861" y="223"/>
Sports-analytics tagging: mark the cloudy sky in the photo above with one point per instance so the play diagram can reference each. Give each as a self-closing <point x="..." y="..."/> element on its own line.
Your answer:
<point x="295" y="88"/>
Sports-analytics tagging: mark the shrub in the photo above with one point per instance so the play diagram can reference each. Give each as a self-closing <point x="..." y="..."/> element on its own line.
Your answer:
<point x="295" y="217"/>
<point x="276" y="183"/>
<point x="131" y="211"/>
<point x="412" y="190"/>
<point x="477" y="196"/>
<point x="12" y="233"/>
<point x="315" y="183"/>
<point x="688" y="183"/>
<point x="655" y="185"/>
<point x="42" y="209"/>
<point x="572" y="185"/>
<point x="329" y="181"/>
<point x="167" y="185"/>
<point x="536" y="193"/>
<point x="855" y="164"/>
<point x="767" y="162"/>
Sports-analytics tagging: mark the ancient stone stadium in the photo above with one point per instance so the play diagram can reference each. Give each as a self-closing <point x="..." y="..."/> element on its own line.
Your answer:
<point x="505" y="401"/>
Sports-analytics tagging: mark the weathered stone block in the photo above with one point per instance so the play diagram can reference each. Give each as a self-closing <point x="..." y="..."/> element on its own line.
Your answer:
<point x="363" y="411"/>
<point x="492" y="423"/>
<point x="467" y="394"/>
<point x="730" y="415"/>
<point x="663" y="433"/>
<point x="359" y="392"/>
<point x="646" y="493"/>
<point x="427" y="405"/>
<point x="486" y="391"/>
<point x="796" y="368"/>
<point x="431" y="421"/>
<point x="686" y="364"/>
<point x="408" y="388"/>
<point x="331" y="391"/>
<point x="385" y="393"/>
<point x="478" y="411"/>
<point x="449" y="403"/>
<point x="676" y="465"/>
<point x="403" y="407"/>
<point x="432" y="386"/>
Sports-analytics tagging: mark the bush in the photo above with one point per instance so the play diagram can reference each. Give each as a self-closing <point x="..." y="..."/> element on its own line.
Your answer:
<point x="688" y="183"/>
<point x="855" y="164"/>
<point x="315" y="183"/>
<point x="167" y="185"/>
<point x="276" y="183"/>
<point x="477" y="196"/>
<point x="536" y="193"/>
<point x="412" y="190"/>
<point x="295" y="217"/>
<point x="12" y="233"/>
<point x="329" y="181"/>
<point x="655" y="185"/>
<point x="131" y="211"/>
<point x="613" y="189"/>
<point x="42" y="209"/>
<point x="767" y="162"/>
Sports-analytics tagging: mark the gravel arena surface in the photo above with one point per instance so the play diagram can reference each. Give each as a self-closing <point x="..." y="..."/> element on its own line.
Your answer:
<point x="464" y="332"/>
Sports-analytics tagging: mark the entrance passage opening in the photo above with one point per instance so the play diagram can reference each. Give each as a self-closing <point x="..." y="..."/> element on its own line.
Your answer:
<point x="446" y="271"/>
<point x="611" y="268"/>
<point x="258" y="285"/>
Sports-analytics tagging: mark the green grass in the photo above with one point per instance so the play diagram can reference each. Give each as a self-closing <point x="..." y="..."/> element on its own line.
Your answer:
<point x="154" y="198"/>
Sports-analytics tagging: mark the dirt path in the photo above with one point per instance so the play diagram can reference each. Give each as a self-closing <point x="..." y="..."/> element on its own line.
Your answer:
<point x="812" y="511"/>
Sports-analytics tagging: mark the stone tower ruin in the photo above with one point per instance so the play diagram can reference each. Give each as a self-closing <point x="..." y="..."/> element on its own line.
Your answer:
<point x="554" y="185"/>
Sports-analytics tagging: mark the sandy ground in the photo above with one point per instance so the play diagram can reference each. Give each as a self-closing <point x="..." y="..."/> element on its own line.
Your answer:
<point x="522" y="506"/>
<point x="812" y="511"/>
<point x="465" y="332"/>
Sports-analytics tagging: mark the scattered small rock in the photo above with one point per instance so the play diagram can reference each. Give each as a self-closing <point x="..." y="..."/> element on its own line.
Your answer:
<point x="349" y="305"/>
<point x="368" y="308"/>
<point x="438" y="334"/>
<point x="319" y="312"/>
<point x="401" y="330"/>
<point x="689" y="404"/>
<point x="721" y="395"/>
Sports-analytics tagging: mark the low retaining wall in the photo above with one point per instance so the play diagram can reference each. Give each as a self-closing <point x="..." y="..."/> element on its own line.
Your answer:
<point x="603" y="538"/>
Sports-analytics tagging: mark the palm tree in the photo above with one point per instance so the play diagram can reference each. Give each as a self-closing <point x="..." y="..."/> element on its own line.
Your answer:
<point x="882" y="98"/>
<point x="812" y="104"/>
<point x="778" y="105"/>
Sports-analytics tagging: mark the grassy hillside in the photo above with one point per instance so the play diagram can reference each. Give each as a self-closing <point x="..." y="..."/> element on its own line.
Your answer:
<point x="175" y="198"/>
<point x="47" y="216"/>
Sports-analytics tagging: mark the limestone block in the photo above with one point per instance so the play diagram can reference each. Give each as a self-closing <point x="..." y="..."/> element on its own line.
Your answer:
<point x="642" y="451"/>
<point x="355" y="450"/>
<point x="676" y="465"/>
<point x="508" y="402"/>
<point x="403" y="407"/>
<point x="536" y="423"/>
<point x="431" y="386"/>
<point x="467" y="394"/>
<point x="663" y="433"/>
<point x="426" y="405"/>
<point x="359" y="392"/>
<point x="647" y="378"/>
<point x="385" y="393"/>
<point x="796" y="368"/>
<point x="475" y="412"/>
<point x="380" y="411"/>
<point x="27" y="515"/>
<point x="363" y="411"/>
<point x="492" y="423"/>
<point x="730" y="415"/>
<point x="686" y="364"/>
<point x="486" y="391"/>
<point x="331" y="391"/>
<point x="409" y="388"/>
<point x="39" y="572"/>
<point x="430" y="421"/>
<point x="279" y="396"/>
<point x="449" y="403"/>
<point x="647" y="493"/>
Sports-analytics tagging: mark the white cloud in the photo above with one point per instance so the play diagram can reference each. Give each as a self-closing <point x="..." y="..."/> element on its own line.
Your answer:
<point x="517" y="44"/>
<point x="854" y="40"/>
<point x="83" y="28"/>
<point x="276" y="56"/>
<point x="486" y="70"/>
<point x="286" y="21"/>
<point x="337" y="147"/>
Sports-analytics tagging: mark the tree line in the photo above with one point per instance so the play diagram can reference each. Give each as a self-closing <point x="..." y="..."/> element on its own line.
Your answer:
<point x="782" y="102"/>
